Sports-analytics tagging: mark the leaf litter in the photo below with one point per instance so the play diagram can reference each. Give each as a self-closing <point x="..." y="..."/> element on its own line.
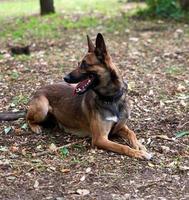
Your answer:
<point x="149" y="60"/>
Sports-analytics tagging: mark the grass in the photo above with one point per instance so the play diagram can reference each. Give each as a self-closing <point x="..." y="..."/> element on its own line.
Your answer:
<point x="174" y="70"/>
<point x="37" y="27"/>
<point x="20" y="23"/>
<point x="28" y="7"/>
<point x="21" y="99"/>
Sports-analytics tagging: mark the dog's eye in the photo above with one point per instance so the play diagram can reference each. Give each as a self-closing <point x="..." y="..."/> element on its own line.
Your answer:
<point x="83" y="64"/>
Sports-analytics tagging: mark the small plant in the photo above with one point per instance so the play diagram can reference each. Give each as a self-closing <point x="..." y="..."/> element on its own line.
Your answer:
<point x="64" y="152"/>
<point x="165" y="8"/>
<point x="14" y="75"/>
<point x="21" y="99"/>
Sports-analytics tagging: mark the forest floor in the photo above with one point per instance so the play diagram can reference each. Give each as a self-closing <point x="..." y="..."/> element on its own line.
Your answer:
<point x="153" y="56"/>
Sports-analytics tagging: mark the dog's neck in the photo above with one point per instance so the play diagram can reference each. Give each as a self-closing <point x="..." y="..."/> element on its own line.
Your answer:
<point x="110" y="98"/>
<point x="111" y="104"/>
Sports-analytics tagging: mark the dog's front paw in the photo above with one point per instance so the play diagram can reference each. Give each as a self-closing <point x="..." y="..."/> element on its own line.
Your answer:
<point x="143" y="155"/>
<point x="138" y="146"/>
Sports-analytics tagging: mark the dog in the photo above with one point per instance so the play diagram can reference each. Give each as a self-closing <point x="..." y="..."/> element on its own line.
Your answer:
<point x="97" y="106"/>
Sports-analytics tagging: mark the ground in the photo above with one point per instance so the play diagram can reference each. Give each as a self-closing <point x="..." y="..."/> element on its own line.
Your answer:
<point x="153" y="57"/>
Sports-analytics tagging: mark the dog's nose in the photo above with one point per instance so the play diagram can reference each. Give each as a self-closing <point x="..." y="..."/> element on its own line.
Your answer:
<point x="67" y="78"/>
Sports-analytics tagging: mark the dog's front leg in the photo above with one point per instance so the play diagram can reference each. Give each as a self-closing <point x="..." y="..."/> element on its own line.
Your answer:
<point x="126" y="133"/>
<point x="100" y="139"/>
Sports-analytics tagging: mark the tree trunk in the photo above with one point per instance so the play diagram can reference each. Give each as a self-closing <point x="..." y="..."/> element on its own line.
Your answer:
<point x="184" y="4"/>
<point x="47" y="7"/>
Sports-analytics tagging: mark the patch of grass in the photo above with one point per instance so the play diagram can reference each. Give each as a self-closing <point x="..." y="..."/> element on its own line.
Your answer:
<point x="117" y="23"/>
<point x="69" y="15"/>
<point x="20" y="99"/>
<point x="79" y="160"/>
<point x="48" y="26"/>
<point x="1" y="57"/>
<point x="18" y="8"/>
<point x="22" y="58"/>
<point x="14" y="75"/>
<point x="80" y="147"/>
<point x="29" y="7"/>
<point x="174" y="70"/>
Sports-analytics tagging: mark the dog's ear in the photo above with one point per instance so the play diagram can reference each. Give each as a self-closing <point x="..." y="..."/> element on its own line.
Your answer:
<point x="91" y="46"/>
<point x="100" y="49"/>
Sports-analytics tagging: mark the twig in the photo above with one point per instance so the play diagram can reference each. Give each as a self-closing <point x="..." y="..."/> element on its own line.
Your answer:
<point x="58" y="148"/>
<point x="182" y="125"/>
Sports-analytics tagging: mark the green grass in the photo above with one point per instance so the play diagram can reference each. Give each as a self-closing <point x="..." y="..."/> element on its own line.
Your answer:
<point x="174" y="70"/>
<point x="20" y="99"/>
<point x="48" y="26"/>
<point x="28" y="7"/>
<point x="18" y="22"/>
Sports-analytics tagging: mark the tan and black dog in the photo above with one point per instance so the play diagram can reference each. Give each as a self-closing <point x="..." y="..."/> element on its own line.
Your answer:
<point x="96" y="106"/>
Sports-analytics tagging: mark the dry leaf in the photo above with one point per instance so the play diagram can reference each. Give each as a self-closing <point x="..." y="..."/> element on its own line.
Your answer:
<point x="65" y="170"/>
<point x="82" y="178"/>
<point x="36" y="184"/>
<point x="82" y="192"/>
<point x="53" y="147"/>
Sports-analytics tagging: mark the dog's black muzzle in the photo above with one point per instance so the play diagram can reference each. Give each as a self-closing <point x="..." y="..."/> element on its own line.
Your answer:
<point x="69" y="78"/>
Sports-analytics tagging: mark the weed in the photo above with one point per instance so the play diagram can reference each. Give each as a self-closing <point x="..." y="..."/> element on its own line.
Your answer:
<point x="64" y="152"/>
<point x="169" y="9"/>
<point x="21" y="99"/>
<point x="174" y="70"/>
<point x="14" y="75"/>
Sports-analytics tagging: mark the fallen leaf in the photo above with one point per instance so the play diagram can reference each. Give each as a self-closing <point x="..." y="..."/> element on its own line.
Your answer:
<point x="180" y="88"/>
<point x="4" y="149"/>
<point x="24" y="126"/>
<point x="88" y="170"/>
<point x="82" y="192"/>
<point x="7" y="129"/>
<point x="181" y="134"/>
<point x="14" y="149"/>
<point x="151" y="164"/>
<point x="53" y="147"/>
<point x="36" y="184"/>
<point x="65" y="170"/>
<point x="82" y="178"/>
<point x="64" y="151"/>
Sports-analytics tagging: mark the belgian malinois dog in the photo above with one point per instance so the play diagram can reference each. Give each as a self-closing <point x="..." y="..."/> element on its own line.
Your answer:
<point x="97" y="106"/>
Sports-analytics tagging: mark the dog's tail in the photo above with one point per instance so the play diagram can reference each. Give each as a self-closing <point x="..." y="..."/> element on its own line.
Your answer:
<point x="11" y="116"/>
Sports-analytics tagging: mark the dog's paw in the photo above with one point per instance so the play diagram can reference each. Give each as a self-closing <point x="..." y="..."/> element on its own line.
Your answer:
<point x="143" y="155"/>
<point x="36" y="128"/>
<point x="138" y="146"/>
<point x="148" y="156"/>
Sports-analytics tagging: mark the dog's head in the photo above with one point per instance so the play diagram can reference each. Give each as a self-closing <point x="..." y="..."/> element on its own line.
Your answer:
<point x="96" y="70"/>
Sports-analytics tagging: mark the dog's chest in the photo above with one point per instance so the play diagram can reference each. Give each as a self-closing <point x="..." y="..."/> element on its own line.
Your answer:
<point x="111" y="112"/>
<point x="110" y="117"/>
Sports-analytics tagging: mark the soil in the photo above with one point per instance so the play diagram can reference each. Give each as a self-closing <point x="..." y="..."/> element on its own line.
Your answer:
<point x="153" y="57"/>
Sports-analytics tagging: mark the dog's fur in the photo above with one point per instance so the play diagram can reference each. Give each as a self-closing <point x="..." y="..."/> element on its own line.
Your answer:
<point x="96" y="107"/>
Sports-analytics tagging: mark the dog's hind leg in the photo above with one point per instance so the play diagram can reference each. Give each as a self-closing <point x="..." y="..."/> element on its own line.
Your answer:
<point x="37" y="112"/>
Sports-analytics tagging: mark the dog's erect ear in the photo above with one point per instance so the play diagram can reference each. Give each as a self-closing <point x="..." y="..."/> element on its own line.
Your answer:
<point x="91" y="46"/>
<point x="100" y="49"/>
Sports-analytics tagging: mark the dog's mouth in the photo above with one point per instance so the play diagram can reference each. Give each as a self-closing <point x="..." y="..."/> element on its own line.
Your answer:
<point x="85" y="84"/>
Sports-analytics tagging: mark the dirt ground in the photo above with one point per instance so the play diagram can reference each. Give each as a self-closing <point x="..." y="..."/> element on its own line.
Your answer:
<point x="154" y="59"/>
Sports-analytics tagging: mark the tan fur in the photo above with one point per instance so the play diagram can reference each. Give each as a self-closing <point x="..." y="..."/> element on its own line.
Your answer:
<point x="81" y="113"/>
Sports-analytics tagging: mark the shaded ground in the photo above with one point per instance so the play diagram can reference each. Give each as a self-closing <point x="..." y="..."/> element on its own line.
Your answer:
<point x="154" y="58"/>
